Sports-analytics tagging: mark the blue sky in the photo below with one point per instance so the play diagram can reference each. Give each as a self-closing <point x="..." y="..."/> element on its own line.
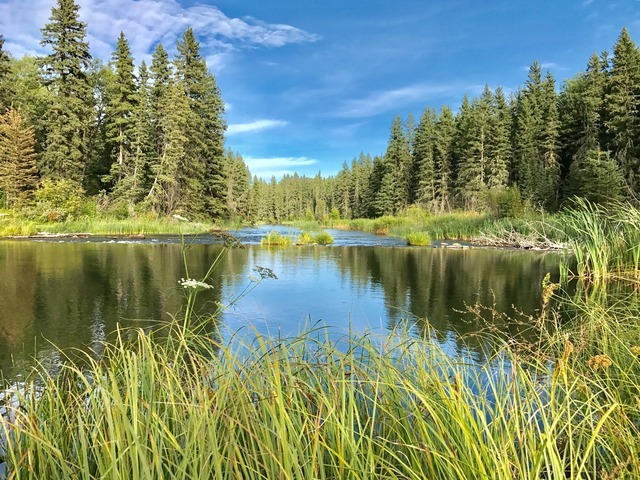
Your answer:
<point x="310" y="83"/>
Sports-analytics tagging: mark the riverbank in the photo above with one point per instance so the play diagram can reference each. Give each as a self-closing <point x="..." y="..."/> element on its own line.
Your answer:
<point x="533" y="232"/>
<point x="560" y="402"/>
<point x="178" y="404"/>
<point x="16" y="226"/>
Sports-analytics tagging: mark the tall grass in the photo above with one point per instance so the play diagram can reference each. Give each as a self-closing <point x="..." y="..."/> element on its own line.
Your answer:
<point x="605" y="240"/>
<point x="11" y="226"/>
<point x="178" y="404"/>
<point x="276" y="239"/>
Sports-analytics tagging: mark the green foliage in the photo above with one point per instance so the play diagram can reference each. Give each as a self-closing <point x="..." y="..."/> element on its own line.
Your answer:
<point x="60" y="200"/>
<point x="504" y="202"/>
<point x="596" y="178"/>
<point x="604" y="240"/>
<point x="418" y="239"/>
<point x="18" y="171"/>
<point x="276" y="239"/>
<point x="70" y="114"/>
<point x="323" y="238"/>
<point x="305" y="238"/>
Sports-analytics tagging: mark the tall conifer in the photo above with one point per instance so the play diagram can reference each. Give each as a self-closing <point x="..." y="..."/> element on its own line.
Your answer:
<point x="65" y="72"/>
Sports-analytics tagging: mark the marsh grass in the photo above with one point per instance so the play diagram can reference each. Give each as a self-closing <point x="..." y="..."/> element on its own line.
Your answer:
<point x="276" y="239"/>
<point x="418" y="239"/>
<point x="323" y="238"/>
<point x="12" y="226"/>
<point x="604" y="240"/>
<point x="179" y="404"/>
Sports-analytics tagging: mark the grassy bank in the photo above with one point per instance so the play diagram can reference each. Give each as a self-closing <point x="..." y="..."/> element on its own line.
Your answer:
<point x="16" y="226"/>
<point x="415" y="225"/>
<point x="179" y="405"/>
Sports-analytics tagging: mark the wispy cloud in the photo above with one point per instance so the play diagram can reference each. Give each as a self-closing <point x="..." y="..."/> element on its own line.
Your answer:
<point x="277" y="166"/>
<point x="381" y="102"/>
<point x="146" y="23"/>
<point x="258" y="125"/>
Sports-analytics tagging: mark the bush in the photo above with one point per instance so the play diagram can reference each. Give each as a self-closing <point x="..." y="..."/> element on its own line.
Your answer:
<point x="504" y="202"/>
<point x="61" y="200"/>
<point x="276" y="239"/>
<point x="419" y="239"/>
<point x="324" y="238"/>
<point x="305" y="238"/>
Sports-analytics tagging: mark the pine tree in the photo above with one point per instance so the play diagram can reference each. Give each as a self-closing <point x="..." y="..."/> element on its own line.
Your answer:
<point x="394" y="187"/>
<point x="423" y="160"/>
<point x="205" y="149"/>
<point x="595" y="177"/>
<point x="18" y="171"/>
<point x="142" y="141"/>
<point x="548" y="188"/>
<point x="444" y="134"/>
<point x="160" y="77"/>
<point x="623" y="105"/>
<point x="500" y="151"/>
<point x="166" y="194"/>
<point x="474" y="128"/>
<point x="120" y="121"/>
<point x="65" y="153"/>
<point x="5" y="84"/>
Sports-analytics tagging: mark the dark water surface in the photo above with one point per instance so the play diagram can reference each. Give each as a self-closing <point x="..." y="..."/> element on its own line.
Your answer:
<point x="74" y="293"/>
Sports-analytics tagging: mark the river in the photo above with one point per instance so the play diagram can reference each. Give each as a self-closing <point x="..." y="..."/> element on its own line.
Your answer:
<point x="63" y="294"/>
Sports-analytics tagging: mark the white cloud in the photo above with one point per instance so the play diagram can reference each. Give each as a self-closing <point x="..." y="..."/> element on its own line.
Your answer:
<point x="384" y="101"/>
<point x="277" y="166"/>
<point x="146" y="23"/>
<point x="254" y="126"/>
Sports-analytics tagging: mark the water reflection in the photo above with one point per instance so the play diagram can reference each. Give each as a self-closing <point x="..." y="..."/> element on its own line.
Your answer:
<point x="74" y="294"/>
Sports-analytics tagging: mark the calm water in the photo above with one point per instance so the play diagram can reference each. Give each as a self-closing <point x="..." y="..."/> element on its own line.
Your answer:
<point x="74" y="293"/>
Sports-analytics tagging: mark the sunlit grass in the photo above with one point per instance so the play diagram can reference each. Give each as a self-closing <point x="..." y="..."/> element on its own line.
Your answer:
<point x="11" y="226"/>
<point x="276" y="239"/>
<point x="418" y="239"/>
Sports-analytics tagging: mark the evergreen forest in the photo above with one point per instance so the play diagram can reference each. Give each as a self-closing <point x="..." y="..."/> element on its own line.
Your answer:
<point x="82" y="137"/>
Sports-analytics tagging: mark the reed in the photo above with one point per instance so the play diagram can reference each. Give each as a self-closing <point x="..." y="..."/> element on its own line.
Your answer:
<point x="418" y="239"/>
<point x="605" y="240"/>
<point x="178" y="404"/>
<point x="276" y="239"/>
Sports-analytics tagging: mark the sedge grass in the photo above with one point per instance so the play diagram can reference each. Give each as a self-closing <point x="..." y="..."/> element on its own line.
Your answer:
<point x="604" y="240"/>
<point x="181" y="405"/>
<point x="11" y="226"/>
<point x="276" y="239"/>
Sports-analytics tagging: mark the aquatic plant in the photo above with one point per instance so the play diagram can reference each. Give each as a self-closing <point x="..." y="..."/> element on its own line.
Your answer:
<point x="305" y="238"/>
<point x="323" y="238"/>
<point x="277" y="239"/>
<point x="418" y="239"/>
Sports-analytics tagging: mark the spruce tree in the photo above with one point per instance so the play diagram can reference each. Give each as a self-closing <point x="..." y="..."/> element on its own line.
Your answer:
<point x="500" y="151"/>
<point x="120" y="121"/>
<point x="71" y="114"/>
<point x="394" y="187"/>
<point x="444" y="134"/>
<point x="423" y="159"/>
<point x="474" y="129"/>
<point x="205" y="149"/>
<point x="595" y="177"/>
<point x="142" y="141"/>
<point x="547" y="191"/>
<point x="5" y="84"/>
<point x="623" y="105"/>
<point x="170" y="173"/>
<point x="18" y="171"/>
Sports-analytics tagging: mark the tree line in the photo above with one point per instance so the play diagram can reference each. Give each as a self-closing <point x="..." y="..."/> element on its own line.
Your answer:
<point x="151" y="139"/>
<point x="537" y="146"/>
<point x="145" y="140"/>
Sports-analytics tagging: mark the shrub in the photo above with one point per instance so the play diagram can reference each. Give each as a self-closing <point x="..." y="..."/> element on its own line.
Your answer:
<point x="60" y="200"/>
<point x="274" y="238"/>
<point x="324" y="238"/>
<point x="419" y="239"/>
<point x="305" y="238"/>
